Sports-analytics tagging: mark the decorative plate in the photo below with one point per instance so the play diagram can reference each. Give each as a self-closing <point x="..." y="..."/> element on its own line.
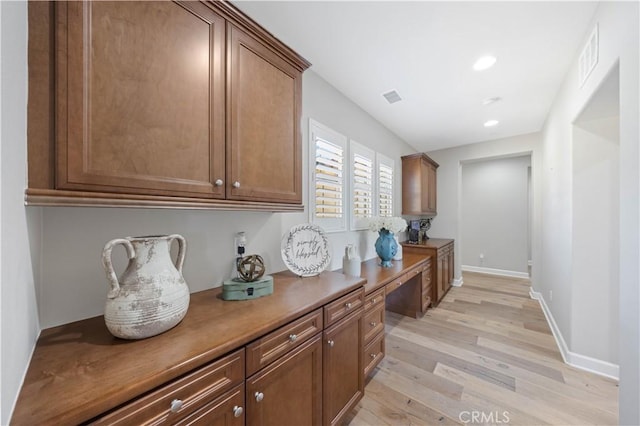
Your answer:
<point x="305" y="250"/>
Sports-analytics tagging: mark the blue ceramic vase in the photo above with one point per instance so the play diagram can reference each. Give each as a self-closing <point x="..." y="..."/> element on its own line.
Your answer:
<point x="386" y="247"/>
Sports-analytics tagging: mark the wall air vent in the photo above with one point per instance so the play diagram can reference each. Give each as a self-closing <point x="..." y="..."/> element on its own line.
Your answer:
<point x="392" y="97"/>
<point x="588" y="57"/>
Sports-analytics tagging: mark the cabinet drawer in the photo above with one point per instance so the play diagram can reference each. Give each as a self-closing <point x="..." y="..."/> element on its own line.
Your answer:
<point x="343" y="306"/>
<point x="412" y="273"/>
<point x="374" y="299"/>
<point x="227" y="410"/>
<point x="186" y="395"/>
<point x="393" y="285"/>
<point x="426" y="299"/>
<point x="373" y="354"/>
<point x="275" y="344"/>
<point x="373" y="323"/>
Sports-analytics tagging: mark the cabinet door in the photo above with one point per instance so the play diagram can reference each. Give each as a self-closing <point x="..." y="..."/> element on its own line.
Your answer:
<point x="411" y="186"/>
<point x="441" y="276"/>
<point x="288" y="392"/>
<point x="264" y="151"/>
<point x="140" y="98"/>
<point x="343" y="368"/>
<point x="431" y="189"/>
<point x="451" y="263"/>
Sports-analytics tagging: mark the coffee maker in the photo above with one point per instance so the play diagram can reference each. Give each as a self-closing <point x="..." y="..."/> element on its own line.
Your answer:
<point x="418" y="230"/>
<point x="414" y="231"/>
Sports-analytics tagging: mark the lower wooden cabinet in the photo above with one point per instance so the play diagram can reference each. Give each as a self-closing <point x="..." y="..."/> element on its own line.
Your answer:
<point x="288" y="392"/>
<point x="343" y="367"/>
<point x="441" y="254"/>
<point x="445" y="267"/>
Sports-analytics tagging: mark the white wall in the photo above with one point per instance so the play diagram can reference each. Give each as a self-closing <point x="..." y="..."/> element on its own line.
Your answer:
<point x="19" y="227"/>
<point x="618" y="35"/>
<point x="494" y="214"/>
<point x="447" y="224"/>
<point x="596" y="243"/>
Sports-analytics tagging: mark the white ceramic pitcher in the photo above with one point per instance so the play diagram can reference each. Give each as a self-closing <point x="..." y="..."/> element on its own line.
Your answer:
<point x="151" y="296"/>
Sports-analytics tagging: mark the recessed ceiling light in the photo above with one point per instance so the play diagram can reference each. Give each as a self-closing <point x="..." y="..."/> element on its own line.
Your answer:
<point x="491" y="123"/>
<point x="490" y="101"/>
<point x="484" y="63"/>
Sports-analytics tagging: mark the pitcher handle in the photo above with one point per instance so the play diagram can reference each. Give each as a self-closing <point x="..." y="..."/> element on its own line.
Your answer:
<point x="108" y="265"/>
<point x="182" y="248"/>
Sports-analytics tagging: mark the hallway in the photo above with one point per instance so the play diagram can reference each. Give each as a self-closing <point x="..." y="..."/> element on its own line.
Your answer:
<point x="485" y="355"/>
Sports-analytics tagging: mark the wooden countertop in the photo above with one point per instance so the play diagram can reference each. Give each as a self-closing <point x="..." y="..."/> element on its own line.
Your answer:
<point x="377" y="276"/>
<point x="431" y="243"/>
<point x="79" y="370"/>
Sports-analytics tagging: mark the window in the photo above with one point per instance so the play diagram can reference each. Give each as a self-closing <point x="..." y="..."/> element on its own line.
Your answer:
<point x="362" y="182"/>
<point x="327" y="199"/>
<point x="385" y="175"/>
<point x="347" y="185"/>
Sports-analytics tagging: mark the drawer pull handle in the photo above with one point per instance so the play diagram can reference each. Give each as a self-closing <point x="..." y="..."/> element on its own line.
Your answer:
<point x="373" y="323"/>
<point x="236" y="184"/>
<point x="237" y="411"/>
<point x="259" y="396"/>
<point x="372" y="356"/>
<point x="293" y="338"/>
<point x="330" y="342"/>
<point x="219" y="182"/>
<point x="176" y="405"/>
<point x="374" y="300"/>
<point x="348" y="305"/>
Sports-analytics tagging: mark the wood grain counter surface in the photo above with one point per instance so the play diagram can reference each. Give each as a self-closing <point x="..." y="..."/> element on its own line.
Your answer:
<point x="79" y="370"/>
<point x="431" y="243"/>
<point x="377" y="276"/>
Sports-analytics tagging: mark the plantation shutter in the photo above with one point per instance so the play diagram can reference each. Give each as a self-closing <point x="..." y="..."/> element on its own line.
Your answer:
<point x="328" y="174"/>
<point x="362" y="185"/>
<point x="385" y="186"/>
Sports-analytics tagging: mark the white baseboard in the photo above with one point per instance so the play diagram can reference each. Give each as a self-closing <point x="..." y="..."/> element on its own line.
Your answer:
<point x="457" y="282"/>
<point x="492" y="271"/>
<point x="583" y="362"/>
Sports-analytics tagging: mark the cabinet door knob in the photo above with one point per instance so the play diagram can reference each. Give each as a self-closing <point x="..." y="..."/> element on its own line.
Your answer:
<point x="374" y="300"/>
<point x="176" y="405"/>
<point x="372" y="355"/>
<point x="237" y="411"/>
<point x="259" y="396"/>
<point x="373" y="323"/>
<point x="348" y="305"/>
<point x="331" y="343"/>
<point x="293" y="338"/>
<point x="236" y="184"/>
<point x="219" y="182"/>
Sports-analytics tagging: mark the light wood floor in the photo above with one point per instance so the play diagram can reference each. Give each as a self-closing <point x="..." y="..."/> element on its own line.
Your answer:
<point x="485" y="355"/>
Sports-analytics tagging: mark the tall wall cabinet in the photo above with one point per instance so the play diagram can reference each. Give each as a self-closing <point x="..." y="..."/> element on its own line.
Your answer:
<point x="161" y="103"/>
<point x="419" y="185"/>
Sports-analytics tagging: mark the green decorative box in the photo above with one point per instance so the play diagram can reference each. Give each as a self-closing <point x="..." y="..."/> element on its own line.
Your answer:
<point x="236" y="289"/>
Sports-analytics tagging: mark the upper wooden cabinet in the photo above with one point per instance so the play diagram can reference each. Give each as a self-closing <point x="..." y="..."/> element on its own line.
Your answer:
<point x="140" y="98"/>
<point x="264" y="150"/>
<point x="186" y="104"/>
<point x="419" y="185"/>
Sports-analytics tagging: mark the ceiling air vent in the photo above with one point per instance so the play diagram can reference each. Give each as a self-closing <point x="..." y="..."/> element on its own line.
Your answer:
<point x="589" y="57"/>
<point x="392" y="97"/>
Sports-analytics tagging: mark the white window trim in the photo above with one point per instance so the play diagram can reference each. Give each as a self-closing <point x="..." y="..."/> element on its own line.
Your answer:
<point x="326" y="133"/>
<point x="384" y="160"/>
<point x="358" y="224"/>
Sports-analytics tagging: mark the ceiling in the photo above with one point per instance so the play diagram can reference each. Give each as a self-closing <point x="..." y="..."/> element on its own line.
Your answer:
<point x="425" y="51"/>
